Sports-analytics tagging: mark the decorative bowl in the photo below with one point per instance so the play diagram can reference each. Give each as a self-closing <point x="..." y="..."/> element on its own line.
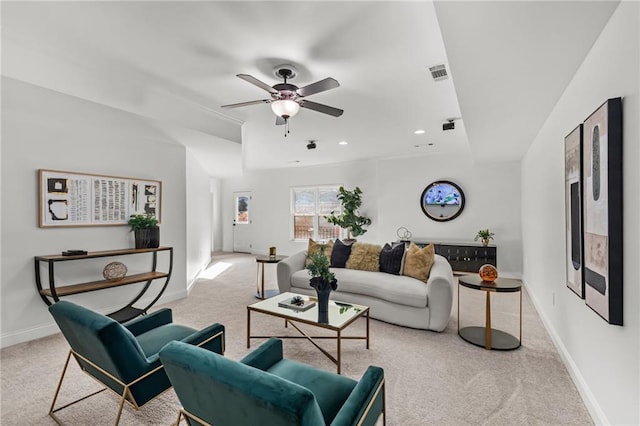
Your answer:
<point x="114" y="271"/>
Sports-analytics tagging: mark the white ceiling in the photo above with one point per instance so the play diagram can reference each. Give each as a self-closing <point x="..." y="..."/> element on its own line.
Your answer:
<point x="175" y="62"/>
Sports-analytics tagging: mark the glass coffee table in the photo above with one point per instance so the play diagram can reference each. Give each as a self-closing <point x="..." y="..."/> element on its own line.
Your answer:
<point x="341" y="315"/>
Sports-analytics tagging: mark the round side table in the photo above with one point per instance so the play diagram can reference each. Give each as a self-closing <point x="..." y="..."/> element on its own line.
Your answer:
<point x="487" y="337"/>
<point x="261" y="261"/>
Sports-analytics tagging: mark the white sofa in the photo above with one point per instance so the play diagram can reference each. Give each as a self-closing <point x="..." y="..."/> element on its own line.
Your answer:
<point x="396" y="299"/>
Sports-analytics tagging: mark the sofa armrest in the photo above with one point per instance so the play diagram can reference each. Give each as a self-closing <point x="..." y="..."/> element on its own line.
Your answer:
<point x="210" y="338"/>
<point x="366" y="401"/>
<point x="440" y="294"/>
<point x="149" y="322"/>
<point x="266" y="355"/>
<point x="287" y="267"/>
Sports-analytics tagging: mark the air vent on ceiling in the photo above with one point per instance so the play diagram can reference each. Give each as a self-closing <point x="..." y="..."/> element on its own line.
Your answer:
<point x="439" y="72"/>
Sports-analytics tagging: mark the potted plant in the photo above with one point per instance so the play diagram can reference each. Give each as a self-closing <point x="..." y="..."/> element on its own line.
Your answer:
<point x="485" y="235"/>
<point x="146" y="230"/>
<point x="323" y="280"/>
<point x="349" y="219"/>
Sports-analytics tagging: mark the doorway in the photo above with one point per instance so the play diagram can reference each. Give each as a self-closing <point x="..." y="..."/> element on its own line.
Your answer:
<point x="242" y="222"/>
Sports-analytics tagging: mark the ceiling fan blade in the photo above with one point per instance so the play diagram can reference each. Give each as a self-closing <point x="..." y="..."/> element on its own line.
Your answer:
<point x="280" y="121"/>
<point x="319" y="86"/>
<point x="241" y="104"/>
<point x="325" y="109"/>
<point x="256" y="82"/>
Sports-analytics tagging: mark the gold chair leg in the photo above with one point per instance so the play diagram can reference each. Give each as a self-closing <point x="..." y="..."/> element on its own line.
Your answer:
<point x="64" y="370"/>
<point x="122" y="400"/>
<point x="179" y="418"/>
<point x="52" y="409"/>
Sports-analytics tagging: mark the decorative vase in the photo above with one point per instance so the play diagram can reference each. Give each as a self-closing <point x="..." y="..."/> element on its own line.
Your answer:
<point x="154" y="237"/>
<point x="147" y="237"/>
<point x="485" y="242"/>
<point x="323" y="290"/>
<point x="141" y="237"/>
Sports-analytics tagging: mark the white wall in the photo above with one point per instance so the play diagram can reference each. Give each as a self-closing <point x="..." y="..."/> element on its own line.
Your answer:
<point x="392" y="190"/>
<point x="42" y="128"/>
<point x="216" y="217"/>
<point x="199" y="213"/>
<point x="604" y="359"/>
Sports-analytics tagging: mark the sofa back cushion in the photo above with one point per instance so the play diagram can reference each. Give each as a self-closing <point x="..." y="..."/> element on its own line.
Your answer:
<point x="391" y="258"/>
<point x="364" y="257"/>
<point x="418" y="261"/>
<point x="340" y="254"/>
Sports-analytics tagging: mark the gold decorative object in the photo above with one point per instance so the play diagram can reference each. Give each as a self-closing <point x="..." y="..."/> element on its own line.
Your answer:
<point x="488" y="273"/>
<point x="272" y="252"/>
<point x="114" y="271"/>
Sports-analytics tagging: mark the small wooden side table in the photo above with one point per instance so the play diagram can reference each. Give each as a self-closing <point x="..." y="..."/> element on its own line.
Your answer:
<point x="487" y="337"/>
<point x="261" y="261"/>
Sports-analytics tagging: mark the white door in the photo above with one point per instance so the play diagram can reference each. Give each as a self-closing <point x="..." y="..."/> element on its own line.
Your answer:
<point x="242" y="222"/>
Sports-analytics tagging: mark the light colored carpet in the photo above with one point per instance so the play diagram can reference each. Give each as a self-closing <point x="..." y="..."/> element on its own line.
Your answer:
<point x="432" y="378"/>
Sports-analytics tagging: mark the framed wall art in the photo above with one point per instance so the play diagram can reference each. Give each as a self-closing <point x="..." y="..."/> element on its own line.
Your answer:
<point x="602" y="201"/>
<point x="84" y="199"/>
<point x="573" y="210"/>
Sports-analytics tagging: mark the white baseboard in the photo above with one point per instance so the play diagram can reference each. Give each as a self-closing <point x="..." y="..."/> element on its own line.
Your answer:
<point x="44" y="330"/>
<point x="588" y="398"/>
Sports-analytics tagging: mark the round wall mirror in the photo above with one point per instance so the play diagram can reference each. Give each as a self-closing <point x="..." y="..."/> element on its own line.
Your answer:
<point x="442" y="200"/>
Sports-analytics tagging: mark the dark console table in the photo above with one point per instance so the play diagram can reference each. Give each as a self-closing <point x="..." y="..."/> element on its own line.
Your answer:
<point x="52" y="294"/>
<point x="464" y="257"/>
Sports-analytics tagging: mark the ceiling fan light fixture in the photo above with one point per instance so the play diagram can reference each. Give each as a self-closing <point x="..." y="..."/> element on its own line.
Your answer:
<point x="285" y="108"/>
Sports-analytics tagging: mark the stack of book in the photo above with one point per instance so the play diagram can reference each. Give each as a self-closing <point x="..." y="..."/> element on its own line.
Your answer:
<point x="297" y="303"/>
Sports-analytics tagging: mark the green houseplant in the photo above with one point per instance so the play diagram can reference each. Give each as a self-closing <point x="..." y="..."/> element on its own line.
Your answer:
<point x="146" y="230"/>
<point x="485" y="235"/>
<point x="349" y="219"/>
<point x="322" y="280"/>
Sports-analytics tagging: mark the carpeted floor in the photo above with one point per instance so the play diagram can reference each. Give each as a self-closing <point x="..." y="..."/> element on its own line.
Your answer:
<point x="432" y="378"/>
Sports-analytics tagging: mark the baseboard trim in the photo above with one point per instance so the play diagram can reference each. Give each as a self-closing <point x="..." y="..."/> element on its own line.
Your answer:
<point x="597" y="415"/>
<point x="44" y="330"/>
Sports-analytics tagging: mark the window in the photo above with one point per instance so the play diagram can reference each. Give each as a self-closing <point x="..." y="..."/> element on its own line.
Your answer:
<point x="309" y="205"/>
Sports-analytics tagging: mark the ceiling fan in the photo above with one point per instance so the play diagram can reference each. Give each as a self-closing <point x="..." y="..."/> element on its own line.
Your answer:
<point x="287" y="99"/>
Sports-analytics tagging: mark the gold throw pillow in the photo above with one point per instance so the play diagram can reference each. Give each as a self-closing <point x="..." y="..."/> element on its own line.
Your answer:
<point x="315" y="246"/>
<point x="418" y="261"/>
<point x="365" y="257"/>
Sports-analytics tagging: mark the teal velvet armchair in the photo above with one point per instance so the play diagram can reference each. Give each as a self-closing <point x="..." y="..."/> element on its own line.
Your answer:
<point x="266" y="389"/>
<point x="124" y="357"/>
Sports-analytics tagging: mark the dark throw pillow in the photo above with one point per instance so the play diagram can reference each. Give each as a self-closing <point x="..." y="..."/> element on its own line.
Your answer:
<point x="340" y="254"/>
<point x="391" y="258"/>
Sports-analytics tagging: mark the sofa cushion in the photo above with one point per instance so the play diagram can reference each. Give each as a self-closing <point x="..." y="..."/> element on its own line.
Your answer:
<point x="364" y="257"/>
<point x="340" y="254"/>
<point x="391" y="258"/>
<point x="398" y="289"/>
<point x="418" y="261"/>
<point x="316" y="246"/>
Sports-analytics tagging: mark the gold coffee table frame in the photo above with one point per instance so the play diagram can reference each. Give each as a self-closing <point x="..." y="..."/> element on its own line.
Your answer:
<point x="341" y="315"/>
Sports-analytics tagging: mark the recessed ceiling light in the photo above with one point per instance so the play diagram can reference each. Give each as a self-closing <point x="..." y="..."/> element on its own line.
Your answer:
<point x="419" y="132"/>
<point x="343" y="143"/>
